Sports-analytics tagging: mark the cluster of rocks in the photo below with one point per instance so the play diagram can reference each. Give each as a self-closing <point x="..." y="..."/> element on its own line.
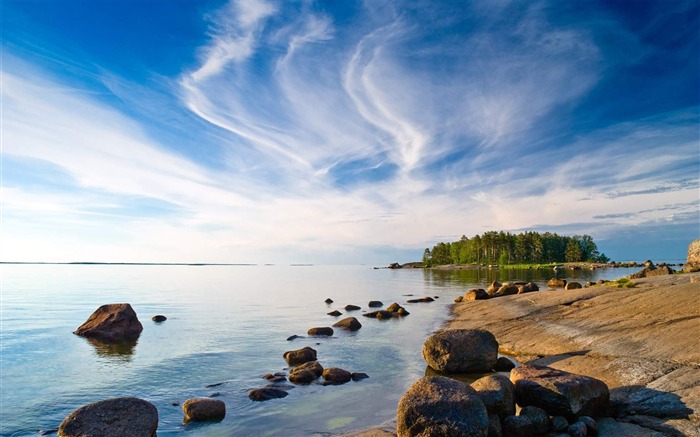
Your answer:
<point x="550" y="399"/>
<point x="499" y="289"/>
<point x="650" y="269"/>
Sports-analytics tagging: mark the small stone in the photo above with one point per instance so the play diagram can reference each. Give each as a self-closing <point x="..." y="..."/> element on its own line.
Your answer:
<point x="159" y="318"/>
<point x="394" y="307"/>
<point x="359" y="376"/>
<point x="421" y="300"/>
<point x="203" y="410"/>
<point x="517" y="426"/>
<point x="352" y="308"/>
<point x="348" y="323"/>
<point x="293" y="337"/>
<point x="266" y="393"/>
<point x="402" y="312"/>
<point x="335" y="313"/>
<point x="375" y="304"/>
<point x="329" y="301"/>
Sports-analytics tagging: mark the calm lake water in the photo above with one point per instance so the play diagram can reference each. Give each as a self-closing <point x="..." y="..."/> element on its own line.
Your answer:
<point x="226" y="324"/>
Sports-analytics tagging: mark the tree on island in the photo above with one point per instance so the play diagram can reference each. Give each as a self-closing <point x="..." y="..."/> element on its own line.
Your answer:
<point x="506" y="248"/>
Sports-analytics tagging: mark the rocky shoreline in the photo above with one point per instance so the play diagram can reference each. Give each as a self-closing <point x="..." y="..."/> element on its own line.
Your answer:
<point x="643" y="342"/>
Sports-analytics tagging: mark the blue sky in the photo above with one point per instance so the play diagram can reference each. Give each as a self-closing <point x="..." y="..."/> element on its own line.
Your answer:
<point x="253" y="131"/>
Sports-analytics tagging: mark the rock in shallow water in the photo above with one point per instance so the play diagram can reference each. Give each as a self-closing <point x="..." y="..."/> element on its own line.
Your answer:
<point x="267" y="393"/>
<point x="348" y="323"/>
<point x="116" y="417"/>
<point x="203" y="410"/>
<point x="323" y="331"/>
<point x="112" y="323"/>
<point x="300" y="356"/>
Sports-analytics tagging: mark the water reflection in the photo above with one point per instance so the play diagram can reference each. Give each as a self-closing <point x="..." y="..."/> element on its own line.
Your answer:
<point x="121" y="351"/>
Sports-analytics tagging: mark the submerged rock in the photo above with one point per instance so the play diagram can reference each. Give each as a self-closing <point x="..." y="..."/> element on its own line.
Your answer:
<point x="335" y="313"/>
<point x="266" y="393"/>
<point x="441" y="406"/>
<point x="359" y="376"/>
<point x="375" y="304"/>
<point x="461" y="351"/>
<point x="112" y="323"/>
<point x="203" y="410"/>
<point x="323" y="331"/>
<point x="352" y="308"/>
<point x="336" y="376"/>
<point x="159" y="318"/>
<point x="420" y="300"/>
<point x="116" y="417"/>
<point x="329" y="301"/>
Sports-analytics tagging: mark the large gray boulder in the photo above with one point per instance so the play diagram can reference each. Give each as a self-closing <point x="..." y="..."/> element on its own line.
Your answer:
<point x="441" y="406"/>
<point x="461" y="351"/>
<point x="112" y="323"/>
<point x="116" y="417"/>
<point x="203" y="410"/>
<point x="497" y="393"/>
<point x="560" y="393"/>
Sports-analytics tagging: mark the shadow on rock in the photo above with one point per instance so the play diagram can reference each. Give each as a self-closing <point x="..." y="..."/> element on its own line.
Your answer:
<point x="549" y="360"/>
<point x="649" y="408"/>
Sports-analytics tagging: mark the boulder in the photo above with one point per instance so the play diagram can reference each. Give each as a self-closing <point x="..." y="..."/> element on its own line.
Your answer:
<point x="577" y="429"/>
<point x="203" y="410"/>
<point x="476" y="294"/>
<point x="324" y="331"/>
<point x="528" y="288"/>
<point x="402" y="312"/>
<point x="652" y="270"/>
<point x="352" y="308"/>
<point x="461" y="351"/>
<point x="441" y="406"/>
<point x="572" y="286"/>
<point x="556" y="283"/>
<point x="159" y="318"/>
<point x="302" y="377"/>
<point x="349" y="323"/>
<point x="503" y="364"/>
<point x="506" y="290"/>
<point x="116" y="417"/>
<point x="497" y="393"/>
<point x="538" y="417"/>
<point x="559" y="423"/>
<point x="393" y="308"/>
<point x="692" y="264"/>
<point x="313" y="366"/>
<point x="112" y="323"/>
<point x="300" y="356"/>
<point x="518" y="426"/>
<point x="336" y="376"/>
<point x="375" y="304"/>
<point x="383" y="314"/>
<point x="495" y="429"/>
<point x="266" y="393"/>
<point x="495" y="285"/>
<point x="335" y="313"/>
<point x="559" y="393"/>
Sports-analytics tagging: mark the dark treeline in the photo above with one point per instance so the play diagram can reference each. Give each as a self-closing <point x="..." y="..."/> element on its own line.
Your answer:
<point x="506" y="248"/>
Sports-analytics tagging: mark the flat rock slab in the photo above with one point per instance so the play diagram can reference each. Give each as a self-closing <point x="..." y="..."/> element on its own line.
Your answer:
<point x="116" y="417"/>
<point x="560" y="393"/>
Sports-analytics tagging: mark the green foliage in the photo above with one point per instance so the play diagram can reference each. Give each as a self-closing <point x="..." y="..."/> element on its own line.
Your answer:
<point x="623" y="283"/>
<point x="505" y="248"/>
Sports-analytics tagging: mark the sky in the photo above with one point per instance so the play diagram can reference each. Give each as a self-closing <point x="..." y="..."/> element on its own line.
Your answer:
<point x="261" y="131"/>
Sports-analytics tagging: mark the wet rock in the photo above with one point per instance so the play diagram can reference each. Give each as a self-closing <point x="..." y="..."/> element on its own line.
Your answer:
<point x="293" y="337"/>
<point x="159" y="318"/>
<point x="375" y="304"/>
<point x="506" y="290"/>
<point x="203" y="410"/>
<point x="497" y="393"/>
<point x="336" y="376"/>
<point x="558" y="392"/>
<point x="503" y="364"/>
<point x="314" y="366"/>
<point x="518" y="426"/>
<point x="359" y="376"/>
<point x="266" y="393"/>
<point x="459" y="299"/>
<point x="527" y="288"/>
<point x="556" y="283"/>
<point x="352" y="308"/>
<point x="559" y="423"/>
<point x="277" y="379"/>
<point x="383" y="314"/>
<point x="115" y="417"/>
<point x="572" y="286"/>
<point x="323" y="331"/>
<point x="421" y="300"/>
<point x="461" y="351"/>
<point x="300" y="356"/>
<point x="349" y="323"/>
<point x="112" y="323"/>
<point x="476" y="294"/>
<point x="393" y="308"/>
<point x="335" y="313"/>
<point x="577" y="429"/>
<point x="329" y="301"/>
<point x="302" y="377"/>
<point x="538" y="417"/>
<point x="402" y="312"/>
<point x="441" y="406"/>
